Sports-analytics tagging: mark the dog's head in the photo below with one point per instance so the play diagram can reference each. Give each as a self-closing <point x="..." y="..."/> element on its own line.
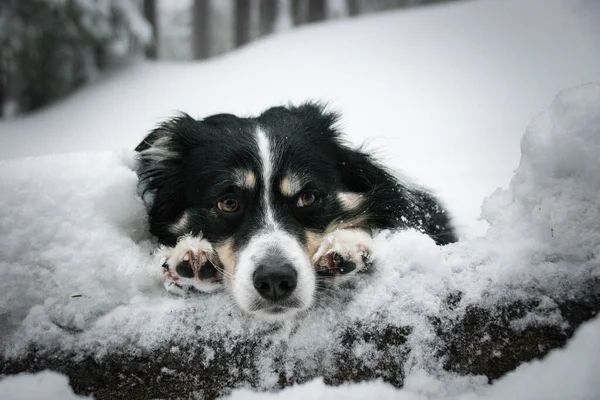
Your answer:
<point x="263" y="191"/>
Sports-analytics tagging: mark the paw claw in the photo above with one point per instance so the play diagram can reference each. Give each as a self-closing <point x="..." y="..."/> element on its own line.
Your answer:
<point x="367" y="259"/>
<point x="337" y="259"/>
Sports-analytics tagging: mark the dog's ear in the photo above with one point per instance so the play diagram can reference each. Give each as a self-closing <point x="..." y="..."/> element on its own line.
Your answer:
<point x="376" y="196"/>
<point x="388" y="203"/>
<point x="316" y="116"/>
<point x="159" y="167"/>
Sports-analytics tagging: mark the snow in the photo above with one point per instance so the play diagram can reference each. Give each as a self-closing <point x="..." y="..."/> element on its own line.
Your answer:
<point x="46" y="385"/>
<point x="77" y="271"/>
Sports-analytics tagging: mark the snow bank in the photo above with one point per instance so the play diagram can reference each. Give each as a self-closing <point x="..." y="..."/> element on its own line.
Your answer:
<point x="552" y="205"/>
<point x="45" y="385"/>
<point x="78" y="278"/>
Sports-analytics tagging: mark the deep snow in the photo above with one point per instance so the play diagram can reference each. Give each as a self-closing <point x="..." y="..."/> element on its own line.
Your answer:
<point x="46" y="385"/>
<point x="77" y="274"/>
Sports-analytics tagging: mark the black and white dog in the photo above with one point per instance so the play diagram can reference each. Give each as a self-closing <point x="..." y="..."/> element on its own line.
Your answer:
<point x="265" y="206"/>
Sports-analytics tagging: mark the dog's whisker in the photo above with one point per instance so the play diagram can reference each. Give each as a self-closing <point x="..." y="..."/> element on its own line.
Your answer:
<point x="224" y="272"/>
<point x="322" y="298"/>
<point x="323" y="294"/>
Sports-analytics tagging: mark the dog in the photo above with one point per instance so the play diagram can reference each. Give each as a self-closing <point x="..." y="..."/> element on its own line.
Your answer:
<point x="269" y="206"/>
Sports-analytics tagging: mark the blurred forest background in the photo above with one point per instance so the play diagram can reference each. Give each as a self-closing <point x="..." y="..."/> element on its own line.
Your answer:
<point x="48" y="48"/>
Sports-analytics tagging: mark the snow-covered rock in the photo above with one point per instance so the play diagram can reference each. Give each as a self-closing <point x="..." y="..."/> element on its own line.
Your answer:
<point x="570" y="373"/>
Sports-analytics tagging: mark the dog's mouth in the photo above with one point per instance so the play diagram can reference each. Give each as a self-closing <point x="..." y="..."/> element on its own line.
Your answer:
<point x="275" y="310"/>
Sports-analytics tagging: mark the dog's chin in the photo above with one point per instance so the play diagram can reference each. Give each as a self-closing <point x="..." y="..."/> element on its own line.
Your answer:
<point x="250" y="302"/>
<point x="276" y="313"/>
<point x="272" y="312"/>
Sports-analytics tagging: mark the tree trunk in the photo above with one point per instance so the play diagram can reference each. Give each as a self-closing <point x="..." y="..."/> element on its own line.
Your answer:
<point x="201" y="35"/>
<point x="3" y="83"/>
<point x="10" y="89"/>
<point x="150" y="13"/>
<point x="242" y="22"/>
<point x="353" y="7"/>
<point x="268" y="13"/>
<point x="299" y="11"/>
<point x="316" y="10"/>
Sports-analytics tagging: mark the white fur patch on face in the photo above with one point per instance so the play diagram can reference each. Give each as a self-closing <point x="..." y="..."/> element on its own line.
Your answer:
<point x="266" y="158"/>
<point x="181" y="226"/>
<point x="290" y="185"/>
<point x="271" y="239"/>
<point x="350" y="200"/>
<point x="245" y="179"/>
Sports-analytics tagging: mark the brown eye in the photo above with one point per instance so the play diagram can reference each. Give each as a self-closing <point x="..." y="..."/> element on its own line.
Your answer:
<point x="228" y="205"/>
<point x="306" y="199"/>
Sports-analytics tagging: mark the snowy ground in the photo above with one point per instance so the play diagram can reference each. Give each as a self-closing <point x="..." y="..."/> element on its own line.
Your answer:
<point x="45" y="385"/>
<point x="447" y="92"/>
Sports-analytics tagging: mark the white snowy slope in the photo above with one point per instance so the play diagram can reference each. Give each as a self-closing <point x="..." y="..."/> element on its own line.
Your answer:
<point x="46" y="385"/>
<point x="77" y="276"/>
<point x="442" y="92"/>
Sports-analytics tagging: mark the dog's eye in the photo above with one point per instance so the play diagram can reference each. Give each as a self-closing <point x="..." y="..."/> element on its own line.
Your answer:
<point x="228" y="205"/>
<point x="306" y="199"/>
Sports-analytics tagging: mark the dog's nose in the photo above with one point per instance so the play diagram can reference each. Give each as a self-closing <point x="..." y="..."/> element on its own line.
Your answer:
<point x="275" y="282"/>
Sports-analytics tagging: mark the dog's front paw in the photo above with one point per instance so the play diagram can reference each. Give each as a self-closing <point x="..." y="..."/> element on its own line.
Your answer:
<point x="192" y="263"/>
<point x="344" y="252"/>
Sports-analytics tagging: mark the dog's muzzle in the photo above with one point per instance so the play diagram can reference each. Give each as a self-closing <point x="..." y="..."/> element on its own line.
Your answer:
<point x="274" y="276"/>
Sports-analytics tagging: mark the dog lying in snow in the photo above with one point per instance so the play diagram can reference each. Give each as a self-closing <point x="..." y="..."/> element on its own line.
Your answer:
<point x="269" y="206"/>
